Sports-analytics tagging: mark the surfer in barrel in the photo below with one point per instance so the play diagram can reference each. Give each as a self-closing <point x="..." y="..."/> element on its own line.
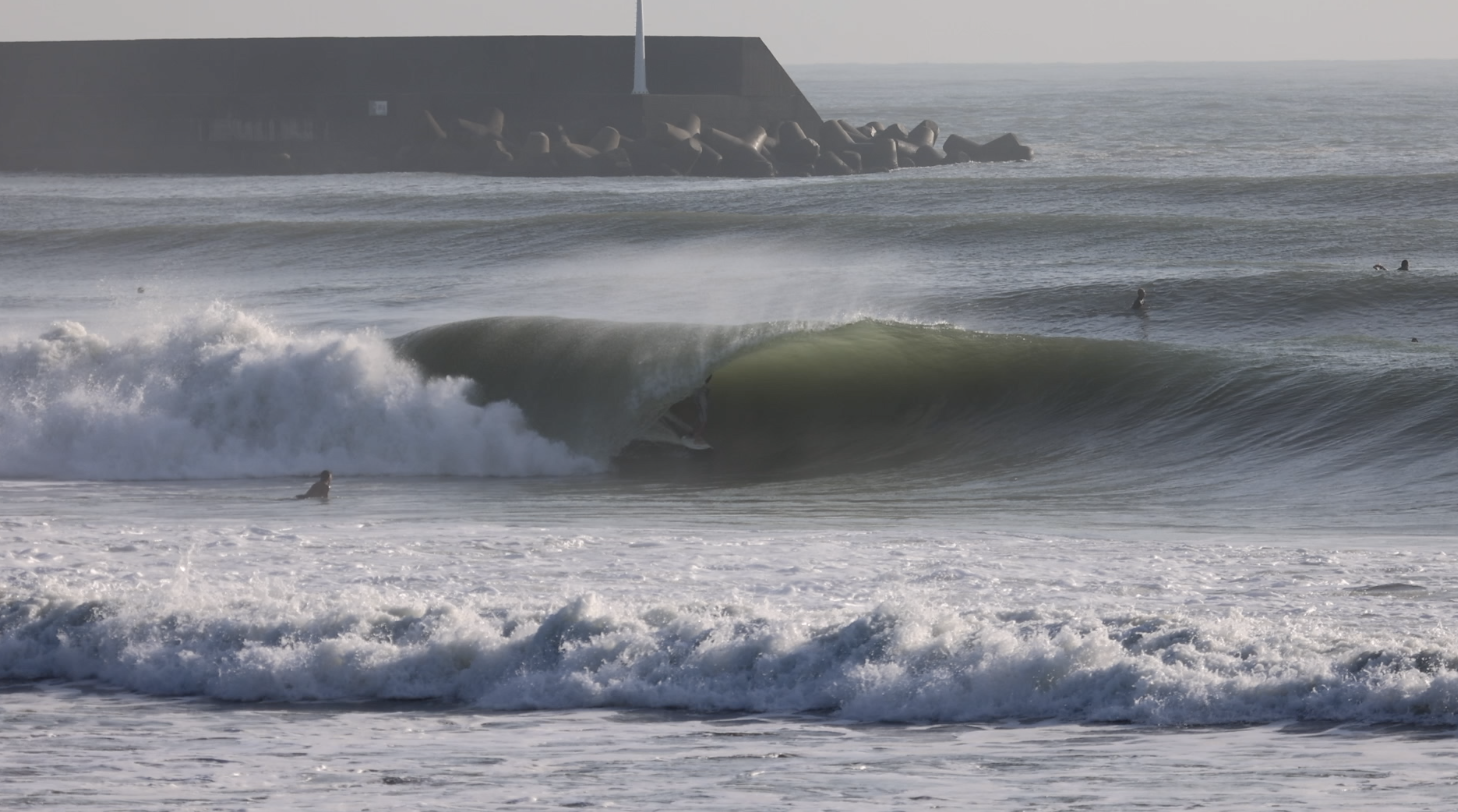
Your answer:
<point x="320" y="489"/>
<point x="696" y="408"/>
<point x="701" y="397"/>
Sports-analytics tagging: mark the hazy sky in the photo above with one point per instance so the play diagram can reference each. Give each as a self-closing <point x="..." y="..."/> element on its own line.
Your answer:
<point x="812" y="31"/>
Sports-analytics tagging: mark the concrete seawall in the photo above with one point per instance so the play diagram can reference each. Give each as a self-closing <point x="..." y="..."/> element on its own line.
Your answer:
<point x="346" y="104"/>
<point x="494" y="105"/>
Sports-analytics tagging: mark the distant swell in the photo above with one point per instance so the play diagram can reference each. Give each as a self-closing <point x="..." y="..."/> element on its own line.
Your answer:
<point x="1257" y="220"/>
<point x="895" y="663"/>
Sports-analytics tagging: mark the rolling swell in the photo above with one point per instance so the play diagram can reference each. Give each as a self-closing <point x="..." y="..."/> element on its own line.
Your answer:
<point x="805" y="400"/>
<point x="1093" y="219"/>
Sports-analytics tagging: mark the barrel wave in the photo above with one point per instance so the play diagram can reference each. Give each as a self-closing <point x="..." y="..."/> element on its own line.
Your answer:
<point x="796" y="399"/>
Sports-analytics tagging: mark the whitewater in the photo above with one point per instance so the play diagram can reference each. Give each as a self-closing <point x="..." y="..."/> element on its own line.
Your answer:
<point x="974" y="532"/>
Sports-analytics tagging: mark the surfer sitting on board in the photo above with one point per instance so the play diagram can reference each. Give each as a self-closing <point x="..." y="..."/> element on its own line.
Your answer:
<point x="1138" y="300"/>
<point x="320" y="489"/>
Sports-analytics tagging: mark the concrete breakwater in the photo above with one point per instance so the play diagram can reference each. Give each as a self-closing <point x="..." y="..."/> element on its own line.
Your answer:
<point x="689" y="148"/>
<point x="530" y="106"/>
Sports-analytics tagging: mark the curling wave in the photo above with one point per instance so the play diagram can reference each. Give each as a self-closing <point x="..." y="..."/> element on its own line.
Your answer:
<point x="798" y="398"/>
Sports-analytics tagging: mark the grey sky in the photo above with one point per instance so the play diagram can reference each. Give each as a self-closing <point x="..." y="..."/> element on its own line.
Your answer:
<point x="810" y="31"/>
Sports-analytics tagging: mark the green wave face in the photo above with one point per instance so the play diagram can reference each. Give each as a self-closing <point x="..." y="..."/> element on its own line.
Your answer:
<point x="803" y="400"/>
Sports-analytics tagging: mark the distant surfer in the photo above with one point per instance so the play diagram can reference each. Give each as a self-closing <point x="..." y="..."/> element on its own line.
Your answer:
<point x="1403" y="266"/>
<point x="1138" y="300"/>
<point x="1379" y="267"/>
<point x="320" y="489"/>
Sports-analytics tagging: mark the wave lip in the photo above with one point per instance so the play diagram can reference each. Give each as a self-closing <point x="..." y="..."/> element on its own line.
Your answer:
<point x="894" y="664"/>
<point x="221" y="394"/>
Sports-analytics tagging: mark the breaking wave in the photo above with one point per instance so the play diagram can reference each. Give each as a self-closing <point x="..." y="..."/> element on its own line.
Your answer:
<point x="222" y="394"/>
<point x="905" y="663"/>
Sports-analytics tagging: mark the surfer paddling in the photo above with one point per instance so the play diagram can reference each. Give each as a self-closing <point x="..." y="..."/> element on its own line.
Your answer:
<point x="1402" y="267"/>
<point x="320" y="489"/>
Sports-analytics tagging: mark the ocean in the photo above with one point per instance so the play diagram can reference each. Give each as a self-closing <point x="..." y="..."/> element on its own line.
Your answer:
<point x="973" y="533"/>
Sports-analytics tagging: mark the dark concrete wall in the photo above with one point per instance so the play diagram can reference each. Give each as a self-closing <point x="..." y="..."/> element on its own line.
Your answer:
<point x="235" y="104"/>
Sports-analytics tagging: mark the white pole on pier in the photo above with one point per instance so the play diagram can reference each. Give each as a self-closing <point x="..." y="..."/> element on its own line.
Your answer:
<point x="640" y="59"/>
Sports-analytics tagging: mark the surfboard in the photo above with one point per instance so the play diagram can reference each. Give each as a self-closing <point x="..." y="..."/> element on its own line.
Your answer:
<point x="689" y="441"/>
<point x="661" y="433"/>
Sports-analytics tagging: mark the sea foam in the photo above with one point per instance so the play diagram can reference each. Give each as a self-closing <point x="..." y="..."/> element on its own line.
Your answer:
<point x="906" y="663"/>
<point x="221" y="393"/>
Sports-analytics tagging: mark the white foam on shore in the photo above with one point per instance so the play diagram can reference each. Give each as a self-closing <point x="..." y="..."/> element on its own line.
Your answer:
<point x="221" y="394"/>
<point x="911" y="662"/>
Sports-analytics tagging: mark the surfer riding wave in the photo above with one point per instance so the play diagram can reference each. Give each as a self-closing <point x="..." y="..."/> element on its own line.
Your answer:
<point x="688" y="418"/>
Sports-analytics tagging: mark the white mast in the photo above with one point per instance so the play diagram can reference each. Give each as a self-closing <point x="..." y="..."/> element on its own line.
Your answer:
<point x="640" y="59"/>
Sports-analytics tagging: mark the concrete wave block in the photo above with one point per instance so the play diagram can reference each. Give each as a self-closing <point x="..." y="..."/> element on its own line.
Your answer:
<point x="535" y="145"/>
<point x="740" y="159"/>
<point x="965" y="146"/>
<point x="710" y="161"/>
<point x="830" y="164"/>
<point x="1004" y="148"/>
<point x="929" y="155"/>
<point x="854" y="134"/>
<point x="805" y="150"/>
<point x="683" y="155"/>
<point x="894" y="132"/>
<point x="924" y="134"/>
<point x="607" y="139"/>
<point x="834" y="137"/>
<point x="790" y="132"/>
<point x="905" y="154"/>
<point x="665" y="134"/>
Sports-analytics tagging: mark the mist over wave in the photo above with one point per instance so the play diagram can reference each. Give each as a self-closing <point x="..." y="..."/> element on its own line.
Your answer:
<point x="221" y="393"/>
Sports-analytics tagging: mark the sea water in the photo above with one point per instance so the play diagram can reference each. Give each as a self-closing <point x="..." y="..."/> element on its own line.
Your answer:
<point x="974" y="532"/>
